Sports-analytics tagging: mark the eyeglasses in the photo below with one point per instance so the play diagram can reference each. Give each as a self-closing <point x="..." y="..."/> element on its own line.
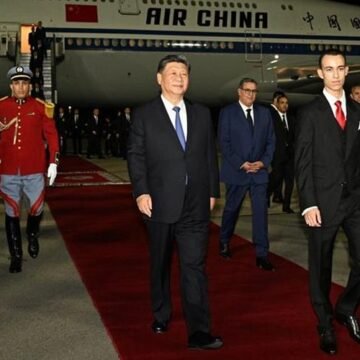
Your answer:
<point x="250" y="91"/>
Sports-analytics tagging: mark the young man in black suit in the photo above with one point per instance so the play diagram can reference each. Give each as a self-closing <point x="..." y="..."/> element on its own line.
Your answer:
<point x="327" y="164"/>
<point x="173" y="169"/>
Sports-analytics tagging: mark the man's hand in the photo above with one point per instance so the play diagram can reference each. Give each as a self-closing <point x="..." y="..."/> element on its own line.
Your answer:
<point x="313" y="217"/>
<point x="252" y="167"/>
<point x="212" y="203"/>
<point x="51" y="173"/>
<point x="144" y="204"/>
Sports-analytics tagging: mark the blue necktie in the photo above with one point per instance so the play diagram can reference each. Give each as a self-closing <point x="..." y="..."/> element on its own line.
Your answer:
<point x="178" y="127"/>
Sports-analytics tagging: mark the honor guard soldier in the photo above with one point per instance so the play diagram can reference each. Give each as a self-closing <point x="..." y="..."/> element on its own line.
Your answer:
<point x="26" y="126"/>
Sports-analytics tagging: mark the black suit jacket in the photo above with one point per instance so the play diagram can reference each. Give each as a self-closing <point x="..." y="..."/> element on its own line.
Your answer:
<point x="284" y="148"/>
<point x="158" y="165"/>
<point x="326" y="158"/>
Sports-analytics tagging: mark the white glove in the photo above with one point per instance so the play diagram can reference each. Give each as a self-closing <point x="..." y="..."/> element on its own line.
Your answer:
<point x="51" y="173"/>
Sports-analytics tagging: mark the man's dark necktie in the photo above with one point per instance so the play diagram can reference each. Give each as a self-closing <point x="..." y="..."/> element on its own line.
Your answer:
<point x="340" y="116"/>
<point x="250" y="120"/>
<point x="284" y="123"/>
<point x="178" y="127"/>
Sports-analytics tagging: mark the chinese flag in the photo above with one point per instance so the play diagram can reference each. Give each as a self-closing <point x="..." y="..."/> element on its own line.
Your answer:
<point x="81" y="13"/>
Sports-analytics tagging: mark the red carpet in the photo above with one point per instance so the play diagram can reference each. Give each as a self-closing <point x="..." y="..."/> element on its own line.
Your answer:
<point x="76" y="171"/>
<point x="259" y="314"/>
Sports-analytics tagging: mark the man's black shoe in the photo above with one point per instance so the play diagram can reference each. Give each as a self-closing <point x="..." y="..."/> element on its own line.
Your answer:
<point x="264" y="264"/>
<point x="288" y="210"/>
<point x="328" y="341"/>
<point x="204" y="341"/>
<point x="225" y="250"/>
<point x="15" y="264"/>
<point x="159" y="327"/>
<point x="277" y="200"/>
<point x="352" y="325"/>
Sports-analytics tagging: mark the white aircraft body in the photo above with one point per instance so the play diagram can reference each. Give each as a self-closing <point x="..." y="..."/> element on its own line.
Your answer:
<point x="107" y="51"/>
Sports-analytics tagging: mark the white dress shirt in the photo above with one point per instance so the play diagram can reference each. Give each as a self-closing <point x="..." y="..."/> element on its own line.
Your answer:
<point x="172" y="114"/>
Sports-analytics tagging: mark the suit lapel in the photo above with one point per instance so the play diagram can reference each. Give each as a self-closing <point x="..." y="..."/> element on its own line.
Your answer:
<point x="352" y="127"/>
<point x="166" y="122"/>
<point x="190" y="124"/>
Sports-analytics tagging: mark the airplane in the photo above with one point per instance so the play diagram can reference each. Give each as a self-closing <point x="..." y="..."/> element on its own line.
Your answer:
<point x="106" y="52"/>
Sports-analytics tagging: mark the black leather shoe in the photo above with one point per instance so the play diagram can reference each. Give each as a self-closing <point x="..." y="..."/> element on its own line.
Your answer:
<point x="328" y="341"/>
<point x="33" y="247"/>
<point x="159" y="327"/>
<point x="15" y="264"/>
<point x="225" y="250"/>
<point x="288" y="210"/>
<point x="277" y="200"/>
<point x="264" y="264"/>
<point x="204" y="341"/>
<point x="352" y="325"/>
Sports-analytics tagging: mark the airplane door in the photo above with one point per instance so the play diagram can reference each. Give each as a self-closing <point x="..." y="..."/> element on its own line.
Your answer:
<point x="3" y="43"/>
<point x="253" y="46"/>
<point x="129" y="7"/>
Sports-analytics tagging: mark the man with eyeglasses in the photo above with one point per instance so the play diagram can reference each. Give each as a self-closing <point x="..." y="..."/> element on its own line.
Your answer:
<point x="247" y="142"/>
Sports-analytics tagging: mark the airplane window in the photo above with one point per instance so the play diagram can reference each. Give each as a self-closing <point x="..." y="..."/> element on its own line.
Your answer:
<point x="166" y="44"/>
<point x="342" y="48"/>
<point x="232" y="5"/>
<point x="161" y="2"/>
<point x="140" y="43"/>
<point x="224" y="4"/>
<point x="169" y="2"/>
<point x="123" y="42"/>
<point x="348" y="48"/>
<point x="321" y="48"/>
<point x="291" y="7"/>
<point x="247" y="5"/>
<point x="239" y="5"/>
<point x="214" y="45"/>
<point x="153" y="2"/>
<point x="106" y="42"/>
<point x="208" y="4"/>
<point x="88" y="42"/>
<point x="222" y="45"/>
<point x="149" y="43"/>
<point x="157" y="43"/>
<point x="177" y="2"/>
<point x="216" y="4"/>
<point x="193" y="3"/>
<point x="145" y="2"/>
<point x="254" y="6"/>
<point x="231" y="45"/>
<point x="132" y="42"/>
<point x="97" y="42"/>
<point x="283" y="7"/>
<point x="201" y="3"/>
<point x="312" y="47"/>
<point x="185" y="3"/>
<point x="79" y="42"/>
<point x="114" y="42"/>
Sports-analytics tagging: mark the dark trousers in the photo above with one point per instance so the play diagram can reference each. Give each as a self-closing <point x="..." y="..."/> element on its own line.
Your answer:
<point x="235" y="195"/>
<point x="77" y="143"/>
<point x="282" y="171"/>
<point x="321" y="245"/>
<point x="94" y="145"/>
<point x="191" y="237"/>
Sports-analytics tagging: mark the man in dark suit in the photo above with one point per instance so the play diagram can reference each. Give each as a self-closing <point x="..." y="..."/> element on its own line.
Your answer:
<point x="247" y="144"/>
<point x="95" y="132"/>
<point x="77" y="131"/>
<point x="327" y="167"/>
<point x="173" y="169"/>
<point x="282" y="165"/>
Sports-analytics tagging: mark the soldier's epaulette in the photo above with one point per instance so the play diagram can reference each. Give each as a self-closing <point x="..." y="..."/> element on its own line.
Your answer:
<point x="49" y="107"/>
<point x="3" y="98"/>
